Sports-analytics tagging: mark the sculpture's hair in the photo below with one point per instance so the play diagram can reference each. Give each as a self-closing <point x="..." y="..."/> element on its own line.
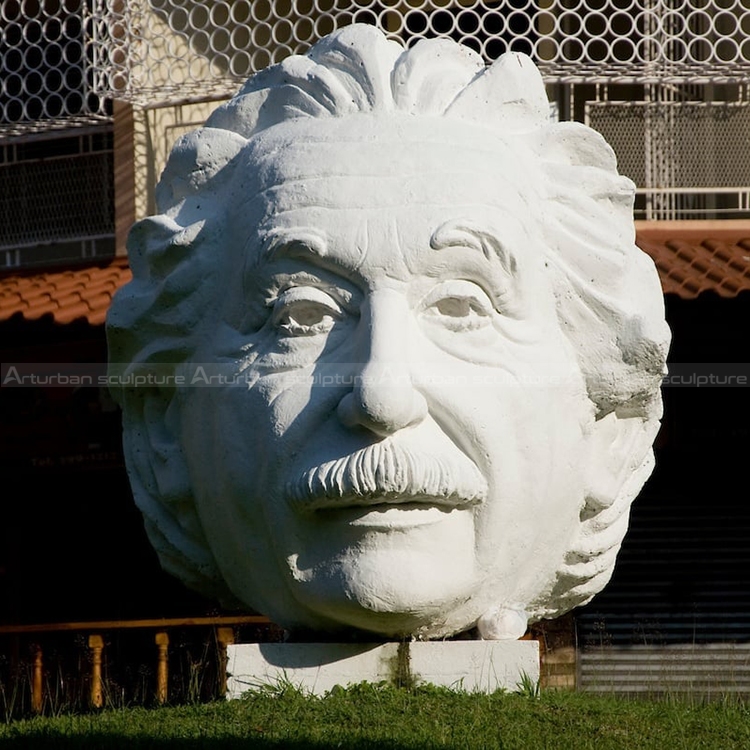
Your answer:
<point x="600" y="279"/>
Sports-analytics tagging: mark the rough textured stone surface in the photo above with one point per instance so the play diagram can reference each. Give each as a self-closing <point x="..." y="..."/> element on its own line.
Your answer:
<point x="474" y="666"/>
<point x="390" y="359"/>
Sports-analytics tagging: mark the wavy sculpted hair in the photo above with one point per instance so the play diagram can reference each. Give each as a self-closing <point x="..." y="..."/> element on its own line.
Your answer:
<point x="600" y="279"/>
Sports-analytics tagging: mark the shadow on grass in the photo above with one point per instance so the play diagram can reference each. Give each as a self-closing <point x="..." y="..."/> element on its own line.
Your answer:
<point x="45" y="741"/>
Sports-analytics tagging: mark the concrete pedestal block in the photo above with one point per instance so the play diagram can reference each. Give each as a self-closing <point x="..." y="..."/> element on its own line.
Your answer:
<point x="474" y="666"/>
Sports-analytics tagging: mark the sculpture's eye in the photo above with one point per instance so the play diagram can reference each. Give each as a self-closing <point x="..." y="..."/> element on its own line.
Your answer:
<point x="305" y="311"/>
<point x="458" y="305"/>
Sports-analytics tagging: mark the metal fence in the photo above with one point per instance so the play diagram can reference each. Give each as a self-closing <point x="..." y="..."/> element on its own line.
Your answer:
<point x="65" y="58"/>
<point x="56" y="198"/>
<point x="666" y="81"/>
<point x="144" y="42"/>
<point x="690" y="159"/>
<point x="49" y="52"/>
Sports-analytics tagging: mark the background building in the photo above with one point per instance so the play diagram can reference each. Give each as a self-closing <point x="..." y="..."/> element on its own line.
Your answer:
<point x="94" y="92"/>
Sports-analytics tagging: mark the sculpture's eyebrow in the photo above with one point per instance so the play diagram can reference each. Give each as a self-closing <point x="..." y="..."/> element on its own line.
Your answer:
<point x="293" y="243"/>
<point x="468" y="233"/>
<point x="307" y="249"/>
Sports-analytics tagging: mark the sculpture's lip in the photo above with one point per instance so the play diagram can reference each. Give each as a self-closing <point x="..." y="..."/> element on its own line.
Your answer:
<point x="389" y="516"/>
<point x="384" y="501"/>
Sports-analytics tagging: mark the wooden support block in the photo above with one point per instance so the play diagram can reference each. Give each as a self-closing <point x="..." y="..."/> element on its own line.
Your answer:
<point x="162" y="667"/>
<point x="96" y="695"/>
<point x="37" y="680"/>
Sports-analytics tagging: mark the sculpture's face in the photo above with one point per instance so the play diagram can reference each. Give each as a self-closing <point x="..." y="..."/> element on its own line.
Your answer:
<point x="407" y="452"/>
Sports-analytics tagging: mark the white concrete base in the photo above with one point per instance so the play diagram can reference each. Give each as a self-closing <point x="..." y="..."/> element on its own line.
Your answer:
<point x="474" y="666"/>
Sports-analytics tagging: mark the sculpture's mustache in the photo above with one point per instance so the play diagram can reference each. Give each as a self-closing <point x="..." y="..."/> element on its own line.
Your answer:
<point x="389" y="473"/>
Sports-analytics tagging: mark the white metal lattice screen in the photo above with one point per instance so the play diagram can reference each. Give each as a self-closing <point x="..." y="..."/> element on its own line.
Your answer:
<point x="50" y="56"/>
<point x="64" y="58"/>
<point x="646" y="40"/>
<point x="64" y="61"/>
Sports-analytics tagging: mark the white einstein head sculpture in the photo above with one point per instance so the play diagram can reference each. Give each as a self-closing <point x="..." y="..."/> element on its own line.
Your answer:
<point x="412" y="353"/>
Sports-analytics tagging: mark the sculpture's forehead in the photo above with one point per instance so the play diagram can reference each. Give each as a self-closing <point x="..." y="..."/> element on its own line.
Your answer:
<point x="394" y="157"/>
<point x="380" y="187"/>
<point x="396" y="146"/>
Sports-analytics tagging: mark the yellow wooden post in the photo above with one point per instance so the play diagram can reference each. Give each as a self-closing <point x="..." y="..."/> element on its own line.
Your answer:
<point x="162" y="667"/>
<point x="96" y="696"/>
<point x="224" y="637"/>
<point x="37" y="680"/>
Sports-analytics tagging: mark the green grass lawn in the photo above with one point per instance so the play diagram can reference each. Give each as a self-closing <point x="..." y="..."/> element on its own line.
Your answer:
<point x="384" y="717"/>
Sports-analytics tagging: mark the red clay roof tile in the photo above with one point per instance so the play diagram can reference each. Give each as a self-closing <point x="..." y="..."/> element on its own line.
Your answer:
<point x="41" y="307"/>
<point x="97" y="318"/>
<point x="695" y="257"/>
<point x="11" y="300"/>
<point x="70" y="313"/>
<point x="66" y="295"/>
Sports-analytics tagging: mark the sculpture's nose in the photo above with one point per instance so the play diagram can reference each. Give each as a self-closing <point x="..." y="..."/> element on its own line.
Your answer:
<point x="384" y="399"/>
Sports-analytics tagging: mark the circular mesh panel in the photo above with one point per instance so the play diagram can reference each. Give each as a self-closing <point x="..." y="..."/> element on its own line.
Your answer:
<point x="64" y="58"/>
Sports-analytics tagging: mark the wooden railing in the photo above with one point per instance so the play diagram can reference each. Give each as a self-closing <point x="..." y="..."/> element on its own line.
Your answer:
<point x="223" y="626"/>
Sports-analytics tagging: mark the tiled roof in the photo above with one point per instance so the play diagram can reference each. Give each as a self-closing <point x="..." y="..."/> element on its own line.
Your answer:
<point x="83" y="292"/>
<point x="692" y="257"/>
<point x="695" y="257"/>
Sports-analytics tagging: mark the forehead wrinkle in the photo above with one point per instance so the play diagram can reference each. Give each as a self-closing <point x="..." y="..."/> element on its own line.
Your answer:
<point x="281" y="181"/>
<point x="408" y="259"/>
<point x="386" y="234"/>
<point x="381" y="133"/>
<point x="362" y="244"/>
<point x="335" y="204"/>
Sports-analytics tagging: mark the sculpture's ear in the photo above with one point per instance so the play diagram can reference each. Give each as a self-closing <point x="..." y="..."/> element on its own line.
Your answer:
<point x="618" y="448"/>
<point x="161" y="486"/>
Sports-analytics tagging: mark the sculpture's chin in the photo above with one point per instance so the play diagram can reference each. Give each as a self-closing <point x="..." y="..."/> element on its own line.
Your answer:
<point x="386" y="613"/>
<point x="393" y="583"/>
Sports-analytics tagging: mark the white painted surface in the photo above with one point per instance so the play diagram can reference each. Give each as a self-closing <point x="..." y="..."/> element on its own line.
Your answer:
<point x="412" y="353"/>
<point x="474" y="666"/>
